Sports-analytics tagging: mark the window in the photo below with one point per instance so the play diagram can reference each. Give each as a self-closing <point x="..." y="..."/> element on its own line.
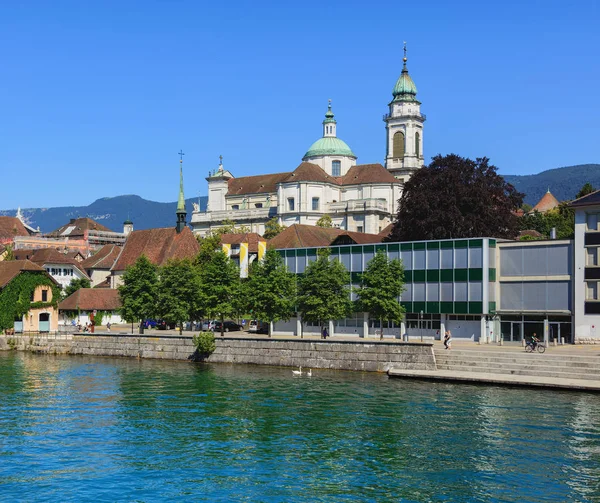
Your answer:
<point x="336" y="168"/>
<point x="398" y="145"/>
<point x="44" y="295"/>
<point x="592" y="222"/>
<point x="592" y="256"/>
<point x="591" y="290"/>
<point x="258" y="205"/>
<point x="235" y="207"/>
<point x="359" y="228"/>
<point x="290" y="203"/>
<point x="417" y="144"/>
<point x="315" y="204"/>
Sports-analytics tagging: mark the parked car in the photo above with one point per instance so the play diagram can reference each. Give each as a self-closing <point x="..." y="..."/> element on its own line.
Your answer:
<point x="228" y="326"/>
<point x="163" y="325"/>
<point x="149" y="323"/>
<point x="208" y="325"/>
<point x="258" y="327"/>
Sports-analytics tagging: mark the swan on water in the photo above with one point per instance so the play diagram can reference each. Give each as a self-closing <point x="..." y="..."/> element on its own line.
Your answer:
<point x="297" y="372"/>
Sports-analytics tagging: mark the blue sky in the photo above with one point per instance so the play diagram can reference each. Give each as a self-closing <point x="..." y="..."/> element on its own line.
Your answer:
<point x="97" y="98"/>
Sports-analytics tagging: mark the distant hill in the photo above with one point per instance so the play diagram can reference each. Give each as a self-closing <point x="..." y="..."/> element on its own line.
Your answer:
<point x="564" y="183"/>
<point x="109" y="211"/>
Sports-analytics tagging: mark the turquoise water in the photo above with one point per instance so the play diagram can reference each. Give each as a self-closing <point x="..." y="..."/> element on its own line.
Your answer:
<point x="86" y="429"/>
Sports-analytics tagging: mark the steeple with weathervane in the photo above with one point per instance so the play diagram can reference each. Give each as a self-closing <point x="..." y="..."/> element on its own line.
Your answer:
<point x="404" y="128"/>
<point x="181" y="213"/>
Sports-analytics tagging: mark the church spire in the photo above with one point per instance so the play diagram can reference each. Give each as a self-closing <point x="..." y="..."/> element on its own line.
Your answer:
<point x="329" y="124"/>
<point x="181" y="213"/>
<point x="405" y="89"/>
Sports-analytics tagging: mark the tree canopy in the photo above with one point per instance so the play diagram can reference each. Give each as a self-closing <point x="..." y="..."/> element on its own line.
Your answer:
<point x="324" y="290"/>
<point x="75" y="285"/>
<point x="139" y="291"/>
<point x="219" y="287"/>
<point x="587" y="188"/>
<point x="325" y="222"/>
<point x="271" y="289"/>
<point x="456" y="197"/>
<point x="382" y="283"/>
<point x="272" y="228"/>
<point x="178" y="292"/>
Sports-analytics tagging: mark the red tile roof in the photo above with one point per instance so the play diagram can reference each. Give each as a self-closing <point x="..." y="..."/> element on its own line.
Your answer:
<point x="368" y="173"/>
<point x="77" y="227"/>
<point x="104" y="258"/>
<point x="308" y="172"/>
<point x="386" y="230"/>
<point x="11" y="227"/>
<point x="9" y="269"/>
<point x="255" y="184"/>
<point x="546" y="203"/>
<point x="158" y="245"/>
<point x="252" y="238"/>
<point x="304" y="236"/>
<point x="88" y="299"/>
<point x="45" y="256"/>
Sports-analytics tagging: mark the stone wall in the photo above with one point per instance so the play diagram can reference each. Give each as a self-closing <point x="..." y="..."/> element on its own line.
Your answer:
<point x="342" y="355"/>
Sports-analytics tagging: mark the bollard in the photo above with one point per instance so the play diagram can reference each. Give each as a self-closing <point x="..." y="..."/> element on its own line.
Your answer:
<point x="523" y="342"/>
<point x="562" y="341"/>
<point x="501" y="341"/>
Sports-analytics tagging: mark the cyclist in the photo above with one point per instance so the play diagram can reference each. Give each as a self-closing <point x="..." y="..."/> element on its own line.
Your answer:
<point x="534" y="341"/>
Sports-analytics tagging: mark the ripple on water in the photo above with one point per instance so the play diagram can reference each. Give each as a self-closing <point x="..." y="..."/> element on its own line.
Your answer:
<point x="127" y="430"/>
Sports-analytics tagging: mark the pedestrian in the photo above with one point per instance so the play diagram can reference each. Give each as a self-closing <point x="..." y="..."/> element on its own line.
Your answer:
<point x="448" y="340"/>
<point x="108" y="326"/>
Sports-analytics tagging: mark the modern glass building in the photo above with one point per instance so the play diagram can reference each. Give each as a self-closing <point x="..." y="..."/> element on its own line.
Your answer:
<point x="479" y="289"/>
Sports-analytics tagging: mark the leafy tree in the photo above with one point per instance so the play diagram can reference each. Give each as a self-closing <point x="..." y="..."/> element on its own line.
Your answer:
<point x="8" y="253"/>
<point x="271" y="289"/>
<point x="526" y="207"/>
<point x="381" y="284"/>
<point x="456" y="197"/>
<point x="139" y="291"/>
<point x="324" y="291"/>
<point x="75" y="285"/>
<point x="219" y="287"/>
<point x="325" y="222"/>
<point x="178" y="292"/>
<point x="272" y="228"/>
<point x="587" y="188"/>
<point x="209" y="245"/>
<point x="561" y="218"/>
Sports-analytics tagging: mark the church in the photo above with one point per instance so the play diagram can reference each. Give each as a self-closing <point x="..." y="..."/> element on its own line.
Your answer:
<point x="328" y="181"/>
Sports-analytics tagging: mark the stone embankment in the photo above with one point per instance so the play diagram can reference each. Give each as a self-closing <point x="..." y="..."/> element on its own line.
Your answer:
<point x="361" y="355"/>
<point x="513" y="368"/>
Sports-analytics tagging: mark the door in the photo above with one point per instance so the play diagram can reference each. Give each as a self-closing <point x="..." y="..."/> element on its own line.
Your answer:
<point x="44" y="322"/>
<point x="553" y="332"/>
<point x="511" y="331"/>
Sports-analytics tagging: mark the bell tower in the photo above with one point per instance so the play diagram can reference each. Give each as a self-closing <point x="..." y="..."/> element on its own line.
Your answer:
<point x="404" y="128"/>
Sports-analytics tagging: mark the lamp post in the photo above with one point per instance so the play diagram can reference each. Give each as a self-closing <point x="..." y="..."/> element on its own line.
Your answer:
<point x="421" y="324"/>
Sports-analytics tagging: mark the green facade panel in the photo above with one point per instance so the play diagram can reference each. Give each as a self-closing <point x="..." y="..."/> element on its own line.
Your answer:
<point x="433" y="245"/>
<point x="408" y="276"/>
<point x="461" y="308"/>
<point x="447" y="275"/>
<point x="418" y="246"/>
<point x="407" y="306"/>
<point x="475" y="307"/>
<point x="447" y="307"/>
<point x="418" y="307"/>
<point x="492" y="275"/>
<point x="419" y="276"/>
<point x="432" y="307"/>
<point x="475" y="243"/>
<point x="368" y="249"/>
<point x="475" y="274"/>
<point x="345" y="250"/>
<point x="394" y="247"/>
<point x="492" y="307"/>
<point x="406" y="246"/>
<point x="461" y="243"/>
<point x="446" y="245"/>
<point x="461" y="274"/>
<point x="382" y="248"/>
<point x="433" y="276"/>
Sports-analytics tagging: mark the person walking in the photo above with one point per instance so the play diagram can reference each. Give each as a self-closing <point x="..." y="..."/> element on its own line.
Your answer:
<point x="448" y="340"/>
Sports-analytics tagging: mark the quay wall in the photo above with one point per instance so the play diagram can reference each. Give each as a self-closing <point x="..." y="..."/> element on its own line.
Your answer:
<point x="367" y="356"/>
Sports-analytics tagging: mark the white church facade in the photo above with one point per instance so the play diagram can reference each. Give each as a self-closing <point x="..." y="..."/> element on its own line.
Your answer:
<point x="328" y="181"/>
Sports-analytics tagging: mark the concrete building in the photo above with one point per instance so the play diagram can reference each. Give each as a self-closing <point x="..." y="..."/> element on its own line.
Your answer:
<point x="358" y="197"/>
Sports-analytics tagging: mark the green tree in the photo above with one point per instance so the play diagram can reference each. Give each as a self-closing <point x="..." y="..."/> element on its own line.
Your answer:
<point x="561" y="218"/>
<point x="139" y="291"/>
<point x="75" y="285"/>
<point x="324" y="290"/>
<point x="456" y="197"/>
<point x="178" y="292"/>
<point x="271" y="289"/>
<point x="382" y="283"/>
<point x="526" y="207"/>
<point x="8" y="253"/>
<point x="219" y="287"/>
<point x="325" y="222"/>
<point x="587" y="188"/>
<point x="272" y="228"/>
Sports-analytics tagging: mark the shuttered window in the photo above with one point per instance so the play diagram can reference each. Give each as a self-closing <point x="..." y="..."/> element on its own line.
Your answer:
<point x="399" y="144"/>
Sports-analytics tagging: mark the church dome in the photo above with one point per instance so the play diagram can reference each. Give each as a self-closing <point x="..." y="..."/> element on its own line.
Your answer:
<point x="329" y="146"/>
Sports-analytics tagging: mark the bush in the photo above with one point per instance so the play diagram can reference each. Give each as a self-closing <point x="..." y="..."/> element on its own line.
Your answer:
<point x="205" y="343"/>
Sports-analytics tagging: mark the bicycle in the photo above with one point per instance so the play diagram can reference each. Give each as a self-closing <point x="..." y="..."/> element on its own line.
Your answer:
<point x="532" y="346"/>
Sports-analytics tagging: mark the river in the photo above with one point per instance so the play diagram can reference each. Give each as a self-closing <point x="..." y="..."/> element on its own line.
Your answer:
<point x="104" y="429"/>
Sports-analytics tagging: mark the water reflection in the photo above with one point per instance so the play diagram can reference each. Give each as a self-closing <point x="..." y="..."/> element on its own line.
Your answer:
<point x="123" y="430"/>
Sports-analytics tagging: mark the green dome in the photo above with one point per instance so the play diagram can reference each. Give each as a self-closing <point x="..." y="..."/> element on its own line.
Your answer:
<point x="405" y="89"/>
<point x="329" y="146"/>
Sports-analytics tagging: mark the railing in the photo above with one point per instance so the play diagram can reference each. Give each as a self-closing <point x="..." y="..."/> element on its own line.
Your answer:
<point x="236" y="215"/>
<point x="359" y="205"/>
<point x="416" y="116"/>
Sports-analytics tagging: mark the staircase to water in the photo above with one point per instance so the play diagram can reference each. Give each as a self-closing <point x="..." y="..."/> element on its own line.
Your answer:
<point x="520" y="364"/>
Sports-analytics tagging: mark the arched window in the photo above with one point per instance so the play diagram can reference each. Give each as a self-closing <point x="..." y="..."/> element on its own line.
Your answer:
<point x="336" y="168"/>
<point x="418" y="144"/>
<point x="399" y="145"/>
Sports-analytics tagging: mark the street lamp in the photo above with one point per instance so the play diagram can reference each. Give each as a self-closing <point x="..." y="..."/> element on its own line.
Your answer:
<point x="421" y="324"/>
